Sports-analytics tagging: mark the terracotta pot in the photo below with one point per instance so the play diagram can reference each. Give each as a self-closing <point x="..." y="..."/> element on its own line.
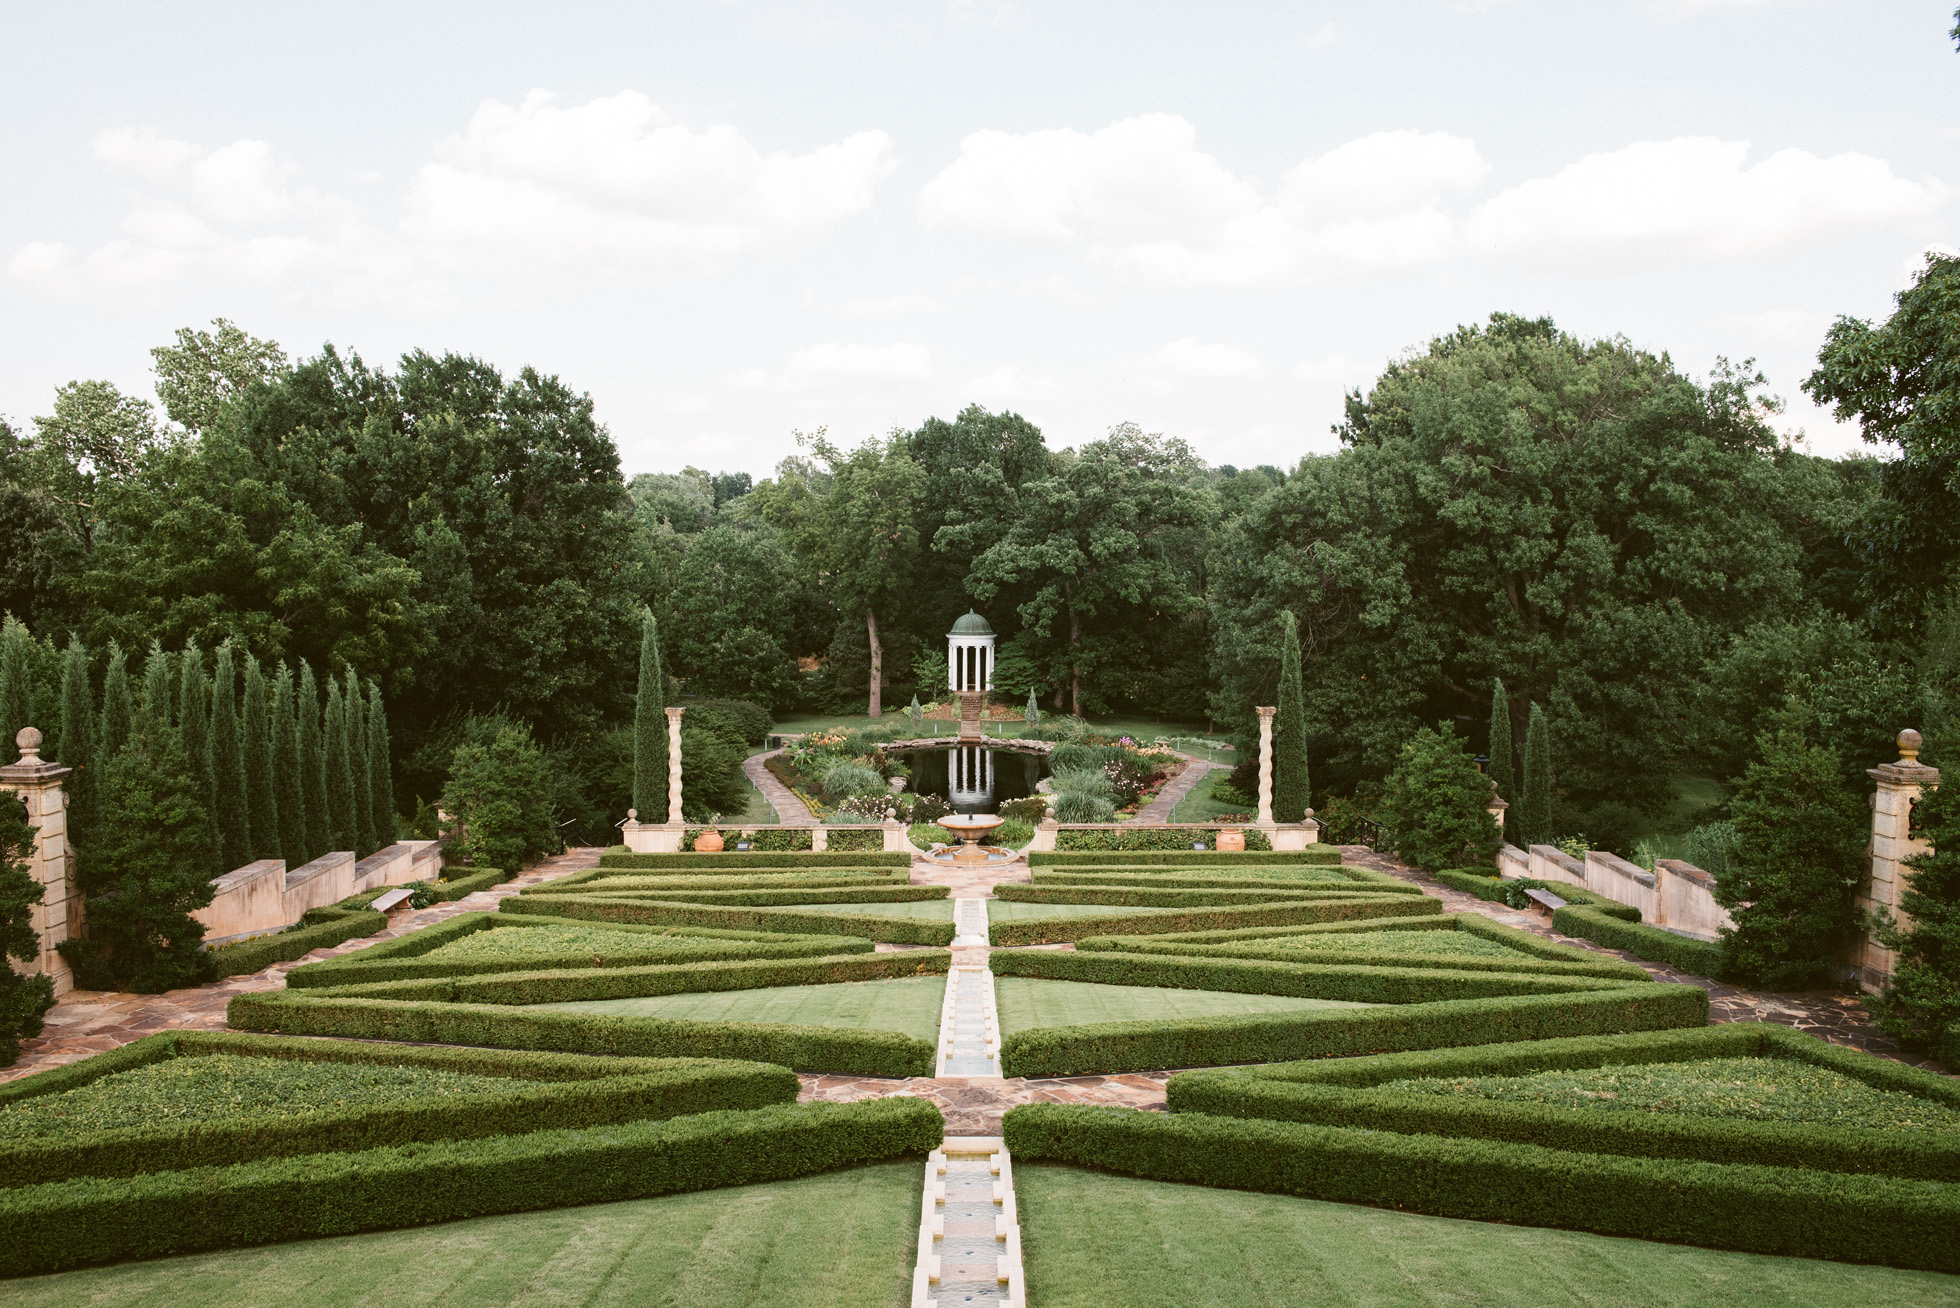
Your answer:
<point x="1227" y="841"/>
<point x="710" y="842"/>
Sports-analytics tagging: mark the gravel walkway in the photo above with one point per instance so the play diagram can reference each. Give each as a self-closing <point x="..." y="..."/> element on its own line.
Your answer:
<point x="1174" y="791"/>
<point x="790" y="811"/>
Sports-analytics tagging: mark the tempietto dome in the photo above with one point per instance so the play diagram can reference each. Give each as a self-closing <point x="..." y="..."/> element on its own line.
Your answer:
<point x="970" y="624"/>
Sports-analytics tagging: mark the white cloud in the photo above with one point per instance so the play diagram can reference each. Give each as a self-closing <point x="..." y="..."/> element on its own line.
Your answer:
<point x="891" y="304"/>
<point x="1007" y="382"/>
<point x="838" y="360"/>
<point x="1321" y="39"/>
<point x="1189" y="358"/>
<point x="1142" y="197"/>
<point x="1696" y="196"/>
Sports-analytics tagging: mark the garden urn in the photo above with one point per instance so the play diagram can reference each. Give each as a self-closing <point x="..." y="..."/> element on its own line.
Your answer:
<point x="1231" y="841"/>
<point x="708" y="842"/>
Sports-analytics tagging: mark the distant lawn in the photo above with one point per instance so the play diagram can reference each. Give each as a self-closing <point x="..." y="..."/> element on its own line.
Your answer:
<point x="907" y="1004"/>
<point x="1199" y="806"/>
<point x="1027" y="1003"/>
<point x="837" y="1240"/>
<point x="1009" y="910"/>
<point x="1093" y="1239"/>
<point x="932" y="910"/>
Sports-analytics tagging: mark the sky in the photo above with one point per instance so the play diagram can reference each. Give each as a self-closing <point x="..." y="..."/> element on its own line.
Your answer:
<point x="731" y="222"/>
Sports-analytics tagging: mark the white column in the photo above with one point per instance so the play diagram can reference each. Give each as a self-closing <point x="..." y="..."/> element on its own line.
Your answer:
<point x="1266" y="764"/>
<point x="674" y="766"/>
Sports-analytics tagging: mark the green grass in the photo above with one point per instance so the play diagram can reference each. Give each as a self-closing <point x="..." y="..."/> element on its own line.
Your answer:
<point x="908" y="1004"/>
<point x="518" y="942"/>
<point x="1665" y="833"/>
<point x="1199" y="806"/>
<point x="216" y="1087"/>
<point x="1027" y="1004"/>
<point x="836" y="1240"/>
<point x="1427" y="943"/>
<point x="1010" y="910"/>
<point x="1755" y="1089"/>
<point x="1093" y="1239"/>
<point x="932" y="910"/>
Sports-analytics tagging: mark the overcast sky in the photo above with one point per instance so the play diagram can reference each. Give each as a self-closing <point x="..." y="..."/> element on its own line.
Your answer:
<point x="729" y="221"/>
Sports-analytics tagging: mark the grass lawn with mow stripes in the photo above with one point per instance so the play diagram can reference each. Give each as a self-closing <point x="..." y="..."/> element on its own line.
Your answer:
<point x="1027" y="1003"/>
<point x="906" y="1004"/>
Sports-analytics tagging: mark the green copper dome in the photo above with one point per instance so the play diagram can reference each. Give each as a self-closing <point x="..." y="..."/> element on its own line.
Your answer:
<point x="971" y="624"/>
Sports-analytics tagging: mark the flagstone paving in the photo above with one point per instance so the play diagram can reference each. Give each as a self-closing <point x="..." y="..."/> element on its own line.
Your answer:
<point x="790" y="811"/>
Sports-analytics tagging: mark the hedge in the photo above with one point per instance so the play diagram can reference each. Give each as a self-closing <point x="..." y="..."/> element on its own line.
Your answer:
<point x="866" y="839"/>
<point x="404" y="958"/>
<point x="1112" y="1047"/>
<point x="1492" y="888"/>
<point x="1175" y="896"/>
<point x="546" y="1091"/>
<point x="1323" y="855"/>
<point x="1770" y="1210"/>
<point x="498" y="1026"/>
<point x="74" y="1222"/>
<point x="319" y="928"/>
<point x="766" y="898"/>
<point x="575" y="985"/>
<point x="608" y="882"/>
<point x="1050" y="930"/>
<point x="793" y="840"/>
<point x="472" y="880"/>
<point x="1683" y="953"/>
<point x="1288" y="878"/>
<point x="1155" y="840"/>
<point x="735" y="861"/>
<point x="596" y="908"/>
<point x="1610" y="969"/>
<point x="1343" y="1094"/>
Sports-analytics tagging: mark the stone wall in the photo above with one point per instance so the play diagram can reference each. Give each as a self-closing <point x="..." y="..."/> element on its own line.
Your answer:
<point x="263" y="897"/>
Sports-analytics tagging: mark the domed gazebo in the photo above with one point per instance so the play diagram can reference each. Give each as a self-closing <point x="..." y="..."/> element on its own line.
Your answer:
<point x="970" y="654"/>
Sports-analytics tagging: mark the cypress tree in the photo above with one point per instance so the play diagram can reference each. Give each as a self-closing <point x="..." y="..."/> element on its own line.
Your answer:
<point x="381" y="779"/>
<point x="156" y="690"/>
<point x="339" y="772"/>
<point x="118" y="708"/>
<point x="77" y="736"/>
<point x="16" y="686"/>
<point x="1535" y="813"/>
<point x="255" y="746"/>
<point x="1291" y="790"/>
<point x="650" y="727"/>
<point x="361" y="790"/>
<point x="1501" y="773"/>
<point x="288" y="776"/>
<point x="312" y="764"/>
<point x="231" y="805"/>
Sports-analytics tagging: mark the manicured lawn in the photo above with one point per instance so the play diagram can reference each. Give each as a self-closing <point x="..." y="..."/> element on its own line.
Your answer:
<point x="1011" y="910"/>
<point x="214" y="1087"/>
<point x="1027" y="1003"/>
<point x="1199" y="806"/>
<point x="932" y="910"/>
<point x="909" y="1004"/>
<point x="517" y="942"/>
<point x="838" y="1240"/>
<point x="1094" y="1239"/>
<point x="1756" y="1089"/>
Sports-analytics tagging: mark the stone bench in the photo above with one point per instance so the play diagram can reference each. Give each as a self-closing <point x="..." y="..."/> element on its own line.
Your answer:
<point x="1544" y="898"/>
<point x="392" y="900"/>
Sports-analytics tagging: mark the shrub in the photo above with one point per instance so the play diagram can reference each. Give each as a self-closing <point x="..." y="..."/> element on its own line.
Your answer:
<point x="855" y="840"/>
<point x="730" y="861"/>
<point x="763" y="840"/>
<point x="1614" y="826"/>
<point x="1158" y="838"/>
<point x="1144" y="891"/>
<point x="1082" y="806"/>
<point x="501" y="797"/>
<point x="1435" y="804"/>
<point x="1695" y="957"/>
<point x="846" y="778"/>
<point x="601" y="908"/>
<point x="1342" y="821"/>
<point x="1709" y="846"/>
<point x="23" y="999"/>
<point x="318" y="928"/>
<point x="1056" y="930"/>
<point x="1030" y="809"/>
<point x="916" y="809"/>
<point x="1149" y="853"/>
<point x="739" y="719"/>
<point x="332" y="1194"/>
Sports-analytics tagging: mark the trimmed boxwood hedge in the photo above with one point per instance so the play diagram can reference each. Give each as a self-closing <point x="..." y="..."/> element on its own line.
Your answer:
<point x="873" y="893"/>
<point x="1769" y="1210"/>
<point x="1112" y="1047"/>
<point x="1610" y="969"/>
<point x="1343" y="1093"/>
<point x="605" y="881"/>
<point x="603" y="908"/>
<point x="1489" y="886"/>
<point x="1191" y="858"/>
<point x="1684" y="953"/>
<point x="71" y="1223"/>
<point x="403" y="958"/>
<point x="319" y="928"/>
<point x="1143" y="840"/>
<point x="546" y="1091"/>
<point x="1134" y="896"/>
<point x="744" y="862"/>
<point x="1246" y="879"/>
<point x="867" y="838"/>
<point x="1051" y="930"/>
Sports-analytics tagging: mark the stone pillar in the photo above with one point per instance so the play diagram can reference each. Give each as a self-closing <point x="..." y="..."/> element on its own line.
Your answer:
<point x="59" y="914"/>
<point x="1893" y="842"/>
<point x="1496" y="808"/>
<point x="1266" y="764"/>
<point x="674" y="766"/>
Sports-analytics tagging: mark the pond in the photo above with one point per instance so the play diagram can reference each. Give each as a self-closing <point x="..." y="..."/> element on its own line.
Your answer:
<point x="974" y="778"/>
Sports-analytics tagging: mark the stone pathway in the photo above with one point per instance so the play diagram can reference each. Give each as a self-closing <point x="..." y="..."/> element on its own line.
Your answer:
<point x="790" y="811"/>
<point x="1174" y="791"/>
<point x="92" y="1021"/>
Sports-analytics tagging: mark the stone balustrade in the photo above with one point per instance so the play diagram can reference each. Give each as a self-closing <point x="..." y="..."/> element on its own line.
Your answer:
<point x="263" y="897"/>
<point x="1675" y="896"/>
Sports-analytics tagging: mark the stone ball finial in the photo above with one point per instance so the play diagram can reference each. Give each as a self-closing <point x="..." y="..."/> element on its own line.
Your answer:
<point x="1909" y="741"/>
<point x="632" y="815"/>
<point x="29" y="741"/>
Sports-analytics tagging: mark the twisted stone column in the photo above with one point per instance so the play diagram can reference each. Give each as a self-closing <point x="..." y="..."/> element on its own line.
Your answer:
<point x="1266" y="764"/>
<point x="674" y="766"/>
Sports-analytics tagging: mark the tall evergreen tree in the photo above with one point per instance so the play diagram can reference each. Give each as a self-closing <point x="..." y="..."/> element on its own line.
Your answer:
<point x="23" y="999"/>
<point x="650" y="727"/>
<point x="1502" y="774"/>
<point x="156" y="705"/>
<point x="194" y="725"/>
<point x="340" y="775"/>
<point x="77" y="746"/>
<point x="1535" y="815"/>
<point x="381" y="777"/>
<point x="288" y="773"/>
<point x="1923" y="1001"/>
<point x="16" y="685"/>
<point x="312" y="764"/>
<point x="231" y="803"/>
<point x="360" y="790"/>
<point x="255" y="745"/>
<point x="118" y="708"/>
<point x="1292" y="790"/>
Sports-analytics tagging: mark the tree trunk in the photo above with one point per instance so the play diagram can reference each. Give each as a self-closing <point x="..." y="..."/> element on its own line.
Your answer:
<point x="877" y="707"/>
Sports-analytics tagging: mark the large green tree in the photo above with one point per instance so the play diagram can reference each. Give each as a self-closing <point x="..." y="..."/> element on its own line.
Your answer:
<point x="1292" y="784"/>
<point x="23" y="999"/>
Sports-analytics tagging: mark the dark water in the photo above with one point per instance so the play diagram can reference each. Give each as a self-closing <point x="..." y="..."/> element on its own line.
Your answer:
<point x="974" y="778"/>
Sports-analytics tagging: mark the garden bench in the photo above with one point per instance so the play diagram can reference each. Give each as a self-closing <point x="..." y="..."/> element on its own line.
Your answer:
<point x="1545" y="897"/>
<point x="392" y="900"/>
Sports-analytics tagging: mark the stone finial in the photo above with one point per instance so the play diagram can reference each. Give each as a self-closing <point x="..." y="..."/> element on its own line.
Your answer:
<point x="1909" y="742"/>
<point x="632" y="815"/>
<point x="29" y="741"/>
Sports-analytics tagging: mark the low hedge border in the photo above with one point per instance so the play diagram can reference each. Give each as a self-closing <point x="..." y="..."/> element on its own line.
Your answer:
<point x="458" y="882"/>
<point x="1344" y="1094"/>
<point x="1428" y="922"/>
<point x="547" y="1091"/>
<point x="1489" y="886"/>
<point x="1053" y="930"/>
<point x="404" y="958"/>
<point x="613" y="882"/>
<point x="319" y="928"/>
<point x="1683" y="953"/>
<point x="1132" y="896"/>
<point x="1141" y="841"/>
<point x="878" y="893"/>
<point x="498" y="1026"/>
<point x="1610" y="969"/>
<point x="1768" y="1210"/>
<point x="597" y="908"/>
<point x="1323" y="855"/>
<point x="1250" y="879"/>
<point x="70" y="1223"/>
<point x="1112" y="1047"/>
<point x="574" y="985"/>
<point x="737" y="861"/>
